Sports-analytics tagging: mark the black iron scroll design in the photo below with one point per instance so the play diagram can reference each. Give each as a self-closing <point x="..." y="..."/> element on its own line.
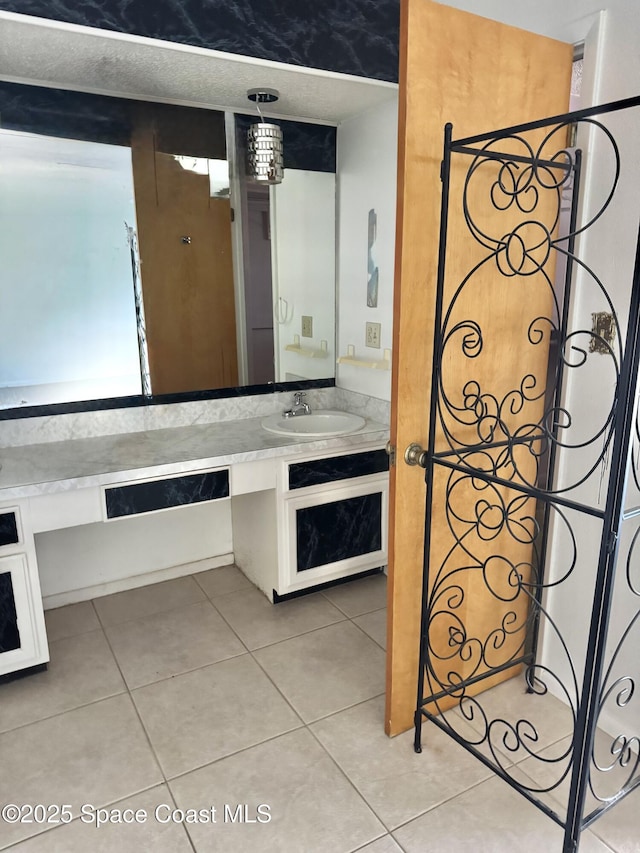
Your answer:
<point x="522" y="516"/>
<point x="615" y="754"/>
<point x="524" y="189"/>
<point x="483" y="520"/>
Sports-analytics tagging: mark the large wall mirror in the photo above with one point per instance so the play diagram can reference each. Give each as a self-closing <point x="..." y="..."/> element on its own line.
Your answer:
<point x="139" y="260"/>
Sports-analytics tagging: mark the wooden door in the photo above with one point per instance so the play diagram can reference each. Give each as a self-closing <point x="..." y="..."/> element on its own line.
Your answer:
<point x="479" y="75"/>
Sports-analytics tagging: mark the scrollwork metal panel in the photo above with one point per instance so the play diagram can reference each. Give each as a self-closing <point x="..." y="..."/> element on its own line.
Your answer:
<point x="533" y="472"/>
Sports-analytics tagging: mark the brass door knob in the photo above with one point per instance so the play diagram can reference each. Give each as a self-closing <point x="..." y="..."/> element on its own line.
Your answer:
<point x="415" y="455"/>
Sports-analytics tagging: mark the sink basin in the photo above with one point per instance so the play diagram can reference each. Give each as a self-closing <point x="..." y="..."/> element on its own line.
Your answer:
<point x="321" y="424"/>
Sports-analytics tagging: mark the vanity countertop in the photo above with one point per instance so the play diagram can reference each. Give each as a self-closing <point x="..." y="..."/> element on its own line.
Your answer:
<point x="59" y="466"/>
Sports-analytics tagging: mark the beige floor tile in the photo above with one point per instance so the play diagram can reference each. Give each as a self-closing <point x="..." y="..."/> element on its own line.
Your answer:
<point x="147" y="600"/>
<point x="386" y="844"/>
<point x="491" y="818"/>
<point x="95" y="755"/>
<point x="326" y="670"/>
<point x="222" y="581"/>
<point x="259" y="623"/>
<point x="397" y="783"/>
<point x="375" y="625"/>
<point x="359" y="596"/>
<point x="196" y="718"/>
<point x="145" y="833"/>
<point x="82" y="670"/>
<point x="313" y="808"/>
<point x="172" y="642"/>
<point x="71" y="620"/>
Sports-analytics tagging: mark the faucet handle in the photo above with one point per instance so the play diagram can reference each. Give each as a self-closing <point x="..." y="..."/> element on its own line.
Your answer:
<point x="298" y="397"/>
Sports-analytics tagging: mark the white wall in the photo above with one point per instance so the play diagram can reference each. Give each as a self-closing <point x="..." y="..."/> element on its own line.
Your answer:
<point x="303" y="270"/>
<point x="105" y="557"/>
<point x="367" y="156"/>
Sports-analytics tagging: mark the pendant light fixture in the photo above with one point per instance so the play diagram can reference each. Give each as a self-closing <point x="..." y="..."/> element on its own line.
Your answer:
<point x="264" y="142"/>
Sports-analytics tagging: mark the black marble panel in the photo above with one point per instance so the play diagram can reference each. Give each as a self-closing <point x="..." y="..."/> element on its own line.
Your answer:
<point x="351" y="36"/>
<point x="336" y="531"/>
<point x="8" y="529"/>
<point x="163" y="494"/>
<point x="319" y="471"/>
<point x="9" y="633"/>
<point x="58" y="112"/>
<point x="306" y="146"/>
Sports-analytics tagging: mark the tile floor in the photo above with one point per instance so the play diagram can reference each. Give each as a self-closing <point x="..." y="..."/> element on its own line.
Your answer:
<point x="197" y="692"/>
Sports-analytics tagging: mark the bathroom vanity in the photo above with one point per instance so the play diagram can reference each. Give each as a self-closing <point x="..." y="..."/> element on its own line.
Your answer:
<point x="304" y="511"/>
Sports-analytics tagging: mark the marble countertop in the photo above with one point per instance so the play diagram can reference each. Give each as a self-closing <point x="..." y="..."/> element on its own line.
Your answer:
<point x="60" y="466"/>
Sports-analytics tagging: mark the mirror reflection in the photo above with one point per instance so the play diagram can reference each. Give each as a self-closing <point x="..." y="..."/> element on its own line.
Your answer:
<point x="139" y="260"/>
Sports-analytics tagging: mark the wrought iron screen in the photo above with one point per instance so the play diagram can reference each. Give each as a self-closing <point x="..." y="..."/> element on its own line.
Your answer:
<point x="532" y="554"/>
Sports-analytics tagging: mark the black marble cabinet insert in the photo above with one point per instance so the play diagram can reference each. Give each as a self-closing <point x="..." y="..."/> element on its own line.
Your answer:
<point x="9" y="633"/>
<point x="8" y="529"/>
<point x="139" y="498"/>
<point x="335" y="531"/>
<point x="334" y="468"/>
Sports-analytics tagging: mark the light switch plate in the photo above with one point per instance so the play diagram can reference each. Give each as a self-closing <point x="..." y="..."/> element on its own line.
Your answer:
<point x="307" y="327"/>
<point x="373" y="335"/>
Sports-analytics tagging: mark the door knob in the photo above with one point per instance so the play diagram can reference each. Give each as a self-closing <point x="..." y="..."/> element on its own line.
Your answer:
<point x="415" y="455"/>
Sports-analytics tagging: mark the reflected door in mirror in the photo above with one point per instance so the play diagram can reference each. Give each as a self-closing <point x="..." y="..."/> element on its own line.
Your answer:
<point x="186" y="263"/>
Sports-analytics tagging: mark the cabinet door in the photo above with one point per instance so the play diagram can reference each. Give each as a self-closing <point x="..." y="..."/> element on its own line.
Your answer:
<point x="22" y="636"/>
<point x="334" y="534"/>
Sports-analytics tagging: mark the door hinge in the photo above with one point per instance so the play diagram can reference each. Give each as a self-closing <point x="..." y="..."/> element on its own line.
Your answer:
<point x="391" y="452"/>
<point x="233" y="215"/>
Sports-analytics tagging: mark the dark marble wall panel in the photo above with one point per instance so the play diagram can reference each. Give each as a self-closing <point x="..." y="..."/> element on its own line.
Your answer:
<point x="162" y="494"/>
<point x="351" y="36"/>
<point x="8" y="529"/>
<point x="329" y="470"/>
<point x="336" y="531"/>
<point x="9" y="633"/>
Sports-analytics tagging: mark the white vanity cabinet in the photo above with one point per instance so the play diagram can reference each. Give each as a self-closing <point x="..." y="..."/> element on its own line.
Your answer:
<point x="23" y="640"/>
<point x="293" y="517"/>
<point x="328" y="521"/>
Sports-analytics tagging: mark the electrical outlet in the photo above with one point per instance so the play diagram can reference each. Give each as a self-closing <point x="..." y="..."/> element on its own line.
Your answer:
<point x="307" y="327"/>
<point x="373" y="335"/>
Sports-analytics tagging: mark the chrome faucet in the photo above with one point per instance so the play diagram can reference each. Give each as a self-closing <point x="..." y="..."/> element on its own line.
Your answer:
<point x="299" y="407"/>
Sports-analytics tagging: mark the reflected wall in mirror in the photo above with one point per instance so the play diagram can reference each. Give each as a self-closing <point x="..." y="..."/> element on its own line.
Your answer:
<point x="117" y="234"/>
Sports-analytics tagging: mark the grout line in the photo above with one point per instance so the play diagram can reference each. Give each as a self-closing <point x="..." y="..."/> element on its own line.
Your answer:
<point x="344" y="773"/>
<point x="108" y="805"/>
<point x="137" y="712"/>
<point x="123" y="692"/>
<point x="283" y="639"/>
<point x="353" y="619"/>
<point x="186" y="671"/>
<point x="242" y="749"/>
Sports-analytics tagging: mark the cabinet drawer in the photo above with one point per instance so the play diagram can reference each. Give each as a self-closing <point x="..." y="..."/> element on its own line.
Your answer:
<point x="167" y="493"/>
<point x="316" y="472"/>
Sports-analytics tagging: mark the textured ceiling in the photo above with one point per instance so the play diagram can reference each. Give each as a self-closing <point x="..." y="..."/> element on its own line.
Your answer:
<point x="51" y="53"/>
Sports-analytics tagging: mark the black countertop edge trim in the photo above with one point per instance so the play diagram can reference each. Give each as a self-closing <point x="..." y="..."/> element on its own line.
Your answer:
<point x="159" y="399"/>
